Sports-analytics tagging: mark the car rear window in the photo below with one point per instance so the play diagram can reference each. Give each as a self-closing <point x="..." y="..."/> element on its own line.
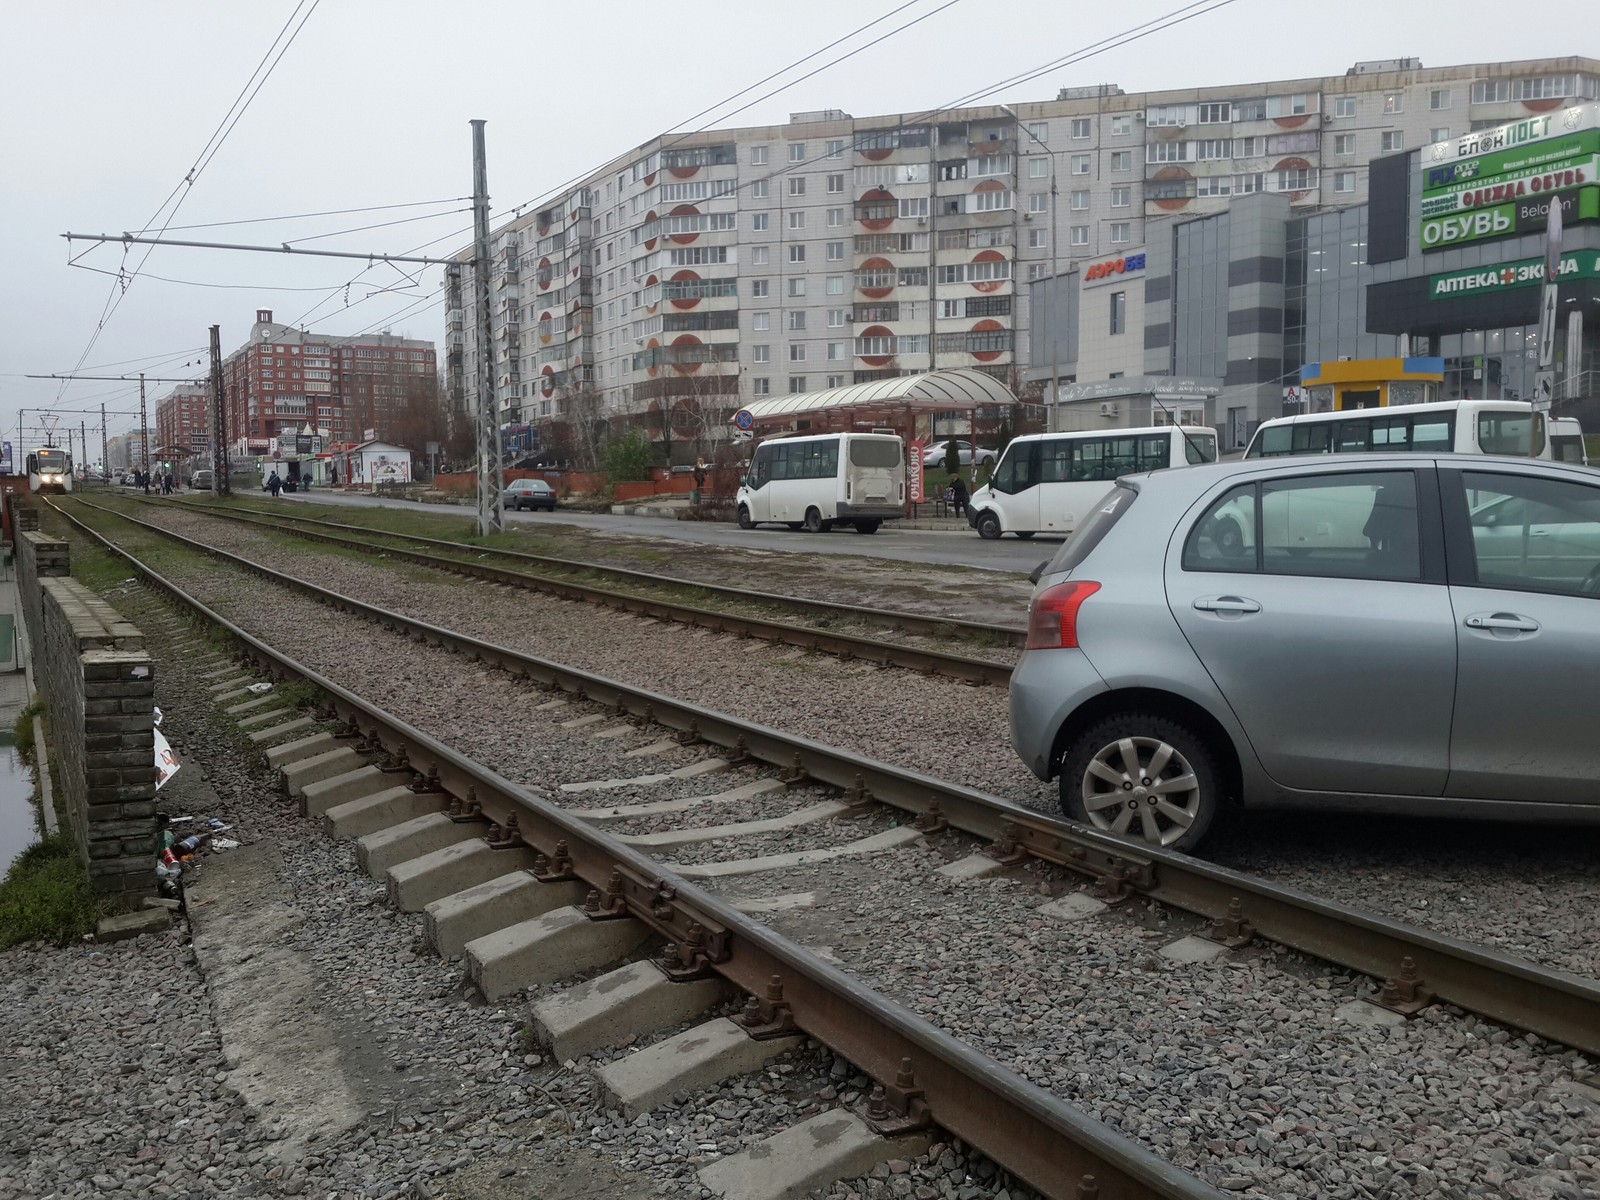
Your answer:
<point x="1107" y="512"/>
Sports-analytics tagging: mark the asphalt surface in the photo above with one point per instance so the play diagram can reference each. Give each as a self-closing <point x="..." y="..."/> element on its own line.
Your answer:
<point x="956" y="547"/>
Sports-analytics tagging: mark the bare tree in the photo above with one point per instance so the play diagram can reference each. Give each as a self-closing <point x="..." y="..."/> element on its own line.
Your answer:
<point x="418" y="417"/>
<point x="583" y="411"/>
<point x="701" y="407"/>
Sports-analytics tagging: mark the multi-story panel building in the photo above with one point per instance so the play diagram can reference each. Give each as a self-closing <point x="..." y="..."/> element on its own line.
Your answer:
<point x="701" y="271"/>
<point x="346" y="388"/>
<point x="183" y="420"/>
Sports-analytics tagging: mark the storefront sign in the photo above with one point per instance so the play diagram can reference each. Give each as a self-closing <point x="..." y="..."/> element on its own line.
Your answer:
<point x="1527" y="272"/>
<point x="1516" y="133"/>
<point x="1526" y="215"/>
<point x="1112" y="269"/>
<point x="1558" y="152"/>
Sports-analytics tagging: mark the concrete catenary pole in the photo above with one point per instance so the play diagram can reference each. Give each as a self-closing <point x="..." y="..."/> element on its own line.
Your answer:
<point x="219" y="418"/>
<point x="491" y="477"/>
<point x="105" y="458"/>
<point x="144" y="425"/>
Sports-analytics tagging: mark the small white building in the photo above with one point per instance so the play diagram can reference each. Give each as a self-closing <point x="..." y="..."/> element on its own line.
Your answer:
<point x="372" y="463"/>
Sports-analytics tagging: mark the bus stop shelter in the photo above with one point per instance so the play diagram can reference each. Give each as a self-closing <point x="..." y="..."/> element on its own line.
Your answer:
<point x="893" y="403"/>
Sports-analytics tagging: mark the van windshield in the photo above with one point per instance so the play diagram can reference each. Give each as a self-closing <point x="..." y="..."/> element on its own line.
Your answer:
<point x="874" y="452"/>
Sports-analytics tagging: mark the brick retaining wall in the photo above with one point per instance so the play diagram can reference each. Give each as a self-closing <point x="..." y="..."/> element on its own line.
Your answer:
<point x="38" y="555"/>
<point x="99" y="683"/>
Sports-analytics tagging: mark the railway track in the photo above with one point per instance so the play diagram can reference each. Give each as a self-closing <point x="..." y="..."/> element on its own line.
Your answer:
<point x="469" y="561"/>
<point x="1414" y="966"/>
<point x="924" y="1077"/>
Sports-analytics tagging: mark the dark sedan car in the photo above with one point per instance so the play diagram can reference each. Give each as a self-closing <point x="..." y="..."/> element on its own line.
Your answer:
<point x="530" y="493"/>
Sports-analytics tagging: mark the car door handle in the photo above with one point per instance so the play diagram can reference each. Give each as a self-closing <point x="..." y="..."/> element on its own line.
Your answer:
<point x="1227" y="604"/>
<point x="1502" y="620"/>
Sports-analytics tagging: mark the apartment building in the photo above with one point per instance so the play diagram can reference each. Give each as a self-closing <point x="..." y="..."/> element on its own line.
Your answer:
<point x="183" y="420"/>
<point x="698" y="272"/>
<point x="349" y="389"/>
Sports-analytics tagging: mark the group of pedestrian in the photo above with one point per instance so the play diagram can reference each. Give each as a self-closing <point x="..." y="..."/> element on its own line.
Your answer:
<point x="162" y="481"/>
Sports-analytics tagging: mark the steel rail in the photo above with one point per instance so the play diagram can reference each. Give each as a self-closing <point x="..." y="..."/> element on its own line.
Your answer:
<point x="926" y="1075"/>
<point x="1416" y="965"/>
<point x="842" y="645"/>
<point x="890" y="618"/>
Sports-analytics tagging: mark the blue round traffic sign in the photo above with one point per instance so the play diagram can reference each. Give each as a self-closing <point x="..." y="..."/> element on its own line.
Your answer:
<point x="744" y="419"/>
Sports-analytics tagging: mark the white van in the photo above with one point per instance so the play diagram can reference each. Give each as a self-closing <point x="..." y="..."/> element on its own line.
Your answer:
<point x="813" y="482"/>
<point x="1045" y="481"/>
<point x="1453" y="427"/>
<point x="1566" y="441"/>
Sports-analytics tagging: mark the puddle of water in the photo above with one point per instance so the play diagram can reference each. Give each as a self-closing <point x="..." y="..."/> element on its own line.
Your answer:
<point x="18" y="830"/>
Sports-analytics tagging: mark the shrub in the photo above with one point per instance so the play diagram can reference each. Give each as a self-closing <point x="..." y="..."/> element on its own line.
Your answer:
<point x="629" y="458"/>
<point x="46" y="896"/>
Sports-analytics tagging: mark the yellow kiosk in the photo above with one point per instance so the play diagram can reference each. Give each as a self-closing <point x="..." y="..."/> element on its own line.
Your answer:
<point x="1369" y="383"/>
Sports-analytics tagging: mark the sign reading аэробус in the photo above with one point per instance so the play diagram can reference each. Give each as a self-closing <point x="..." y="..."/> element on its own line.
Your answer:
<point x="1497" y="182"/>
<point x="1526" y="272"/>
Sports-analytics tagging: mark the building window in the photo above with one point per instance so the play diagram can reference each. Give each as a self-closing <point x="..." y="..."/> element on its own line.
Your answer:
<point x="1394" y="102"/>
<point x="835" y="149"/>
<point x="835" y="252"/>
<point x="1122" y="125"/>
<point x="1344" y="181"/>
<point x="1038" y="168"/>
<point x="797" y="352"/>
<point x="1119" y="233"/>
<point x="1038" y="203"/>
<point x="835" y="183"/>
<point x="992" y="164"/>
<point x="758" y="156"/>
<point x="1122" y="160"/>
<point x="797" y="287"/>
<point x="1298" y="179"/>
<point x="797" y="185"/>
<point x="1120" y="196"/>
<point x="1119" y="313"/>
<point x="1344" y="106"/>
<point x="1391" y="140"/>
<point x="797" y="219"/>
<point x="835" y="285"/>
<point x="761" y="387"/>
<point x="797" y="152"/>
<point x="759" y="189"/>
<point x="1038" y="270"/>
<point x="913" y="206"/>
<point x="760" y="256"/>
<point x="1213" y="185"/>
<point x="836" y="318"/>
<point x="835" y="351"/>
<point x="760" y="321"/>
<point x="1548" y="87"/>
<point x="797" y="320"/>
<point x="1250" y="147"/>
<point x="1080" y="164"/>
<point x="797" y="384"/>
<point x="835" y="218"/>
<point x="759" y="222"/>
<point x="1491" y="91"/>
<point x="1439" y="99"/>
<point x="1213" y="148"/>
<point x="760" y="288"/>
<point x="1165" y="114"/>
<point x="1080" y="127"/>
<point x="761" y="354"/>
<point x="797" y="254"/>
<point x="1216" y="114"/>
<point x="1079" y="201"/>
<point x="1344" y="143"/>
<point x="1243" y="185"/>
<point x="1080" y="235"/>
<point x="1166" y="152"/>
<point x="1439" y="133"/>
<point x="1040" y="130"/>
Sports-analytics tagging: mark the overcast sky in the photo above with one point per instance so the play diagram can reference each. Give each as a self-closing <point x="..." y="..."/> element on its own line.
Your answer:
<point x="107" y="105"/>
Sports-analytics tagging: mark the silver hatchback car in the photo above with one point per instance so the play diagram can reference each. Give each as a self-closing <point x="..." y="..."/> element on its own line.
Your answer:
<point x="1394" y="633"/>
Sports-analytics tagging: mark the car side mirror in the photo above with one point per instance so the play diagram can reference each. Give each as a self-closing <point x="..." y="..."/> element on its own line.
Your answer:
<point x="744" y="481"/>
<point x="1033" y="575"/>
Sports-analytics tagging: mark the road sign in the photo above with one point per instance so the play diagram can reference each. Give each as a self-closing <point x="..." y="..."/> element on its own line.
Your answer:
<point x="744" y="419"/>
<point x="1547" y="325"/>
<point x="1544" y="388"/>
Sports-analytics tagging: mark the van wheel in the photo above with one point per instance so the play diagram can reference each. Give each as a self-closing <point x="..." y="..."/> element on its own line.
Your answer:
<point x="988" y="526"/>
<point x="868" y="525"/>
<point x="744" y="517"/>
<point x="814" y="522"/>
<point x="1143" y="777"/>
<point x="1228" y="537"/>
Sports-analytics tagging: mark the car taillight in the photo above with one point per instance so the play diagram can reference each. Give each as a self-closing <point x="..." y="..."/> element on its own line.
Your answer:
<point x="1053" y="616"/>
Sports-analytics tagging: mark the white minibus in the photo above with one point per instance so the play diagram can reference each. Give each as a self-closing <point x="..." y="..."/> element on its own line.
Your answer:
<point x="1453" y="427"/>
<point x="813" y="482"/>
<point x="1566" y="441"/>
<point x="1044" y="482"/>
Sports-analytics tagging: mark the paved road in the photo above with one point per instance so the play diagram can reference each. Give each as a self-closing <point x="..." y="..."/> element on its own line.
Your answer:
<point x="954" y="547"/>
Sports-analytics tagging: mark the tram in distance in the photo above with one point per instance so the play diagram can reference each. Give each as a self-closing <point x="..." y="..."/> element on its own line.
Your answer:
<point x="49" y="470"/>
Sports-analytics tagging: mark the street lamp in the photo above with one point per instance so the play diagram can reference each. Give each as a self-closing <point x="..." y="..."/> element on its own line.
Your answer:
<point x="1055" y="381"/>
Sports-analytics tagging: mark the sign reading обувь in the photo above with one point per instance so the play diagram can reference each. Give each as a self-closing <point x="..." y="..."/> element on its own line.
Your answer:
<point x="1527" y="272"/>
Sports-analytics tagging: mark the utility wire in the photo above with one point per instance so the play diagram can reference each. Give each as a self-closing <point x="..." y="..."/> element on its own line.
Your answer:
<point x="332" y="212"/>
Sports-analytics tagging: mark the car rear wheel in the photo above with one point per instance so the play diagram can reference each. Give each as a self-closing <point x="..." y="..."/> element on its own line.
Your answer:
<point x="1143" y="777"/>
<point x="744" y="518"/>
<point x="988" y="526"/>
<point x="815" y="523"/>
<point x="868" y="525"/>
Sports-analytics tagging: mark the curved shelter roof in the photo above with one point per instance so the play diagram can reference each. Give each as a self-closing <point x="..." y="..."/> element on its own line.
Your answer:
<point x="932" y="391"/>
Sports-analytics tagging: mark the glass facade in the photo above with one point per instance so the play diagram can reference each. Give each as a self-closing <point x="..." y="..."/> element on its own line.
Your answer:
<point x="1325" y="290"/>
<point x="1201" y="252"/>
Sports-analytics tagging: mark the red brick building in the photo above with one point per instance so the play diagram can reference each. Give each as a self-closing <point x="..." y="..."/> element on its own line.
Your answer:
<point x="284" y="379"/>
<point x="183" y="421"/>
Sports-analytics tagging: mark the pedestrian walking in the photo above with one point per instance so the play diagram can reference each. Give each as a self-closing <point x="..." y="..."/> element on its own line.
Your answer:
<point x="273" y="484"/>
<point x="166" y="483"/>
<point x="699" y="479"/>
<point x="144" y="481"/>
